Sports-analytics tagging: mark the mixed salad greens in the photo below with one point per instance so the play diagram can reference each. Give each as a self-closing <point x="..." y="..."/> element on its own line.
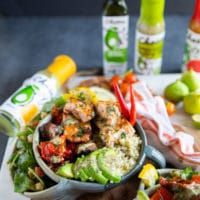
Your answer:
<point x="175" y="185"/>
<point x="26" y="173"/>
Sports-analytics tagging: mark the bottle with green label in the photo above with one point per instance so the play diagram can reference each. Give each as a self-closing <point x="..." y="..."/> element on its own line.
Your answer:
<point x="149" y="39"/>
<point x="191" y="57"/>
<point x="22" y="106"/>
<point x="115" y="31"/>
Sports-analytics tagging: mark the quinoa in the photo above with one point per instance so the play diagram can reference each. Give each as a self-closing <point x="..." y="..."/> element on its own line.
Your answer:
<point x="128" y="151"/>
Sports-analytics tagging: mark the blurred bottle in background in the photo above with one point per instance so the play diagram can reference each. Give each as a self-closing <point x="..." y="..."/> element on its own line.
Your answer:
<point x="149" y="39"/>
<point x="115" y="31"/>
<point x="22" y="106"/>
<point x="191" y="57"/>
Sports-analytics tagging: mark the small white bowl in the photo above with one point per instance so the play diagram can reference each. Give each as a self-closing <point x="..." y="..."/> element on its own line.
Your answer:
<point x="162" y="172"/>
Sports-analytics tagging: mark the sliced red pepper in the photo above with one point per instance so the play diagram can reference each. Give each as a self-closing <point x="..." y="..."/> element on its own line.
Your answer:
<point x="162" y="193"/>
<point x="122" y="103"/>
<point x="133" y="109"/>
<point x="47" y="149"/>
<point x="196" y="178"/>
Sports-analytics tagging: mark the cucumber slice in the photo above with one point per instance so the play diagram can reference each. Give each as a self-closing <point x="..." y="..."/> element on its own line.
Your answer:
<point x="66" y="171"/>
<point x="104" y="161"/>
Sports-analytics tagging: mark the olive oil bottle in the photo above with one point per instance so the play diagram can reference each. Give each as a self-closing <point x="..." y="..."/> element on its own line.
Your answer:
<point x="115" y="31"/>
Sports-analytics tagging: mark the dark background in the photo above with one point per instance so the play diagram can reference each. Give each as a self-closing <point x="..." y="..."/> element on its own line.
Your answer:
<point x="33" y="32"/>
<point x="80" y="7"/>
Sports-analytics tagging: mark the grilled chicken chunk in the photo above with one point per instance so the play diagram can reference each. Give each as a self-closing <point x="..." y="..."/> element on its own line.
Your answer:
<point x="78" y="132"/>
<point x="107" y="112"/>
<point x="110" y="135"/>
<point x="86" y="148"/>
<point x="69" y="119"/>
<point x="82" y="110"/>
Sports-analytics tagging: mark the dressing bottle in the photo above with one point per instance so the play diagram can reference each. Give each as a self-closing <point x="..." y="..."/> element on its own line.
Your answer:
<point x="149" y="39"/>
<point x="191" y="57"/>
<point x="22" y="106"/>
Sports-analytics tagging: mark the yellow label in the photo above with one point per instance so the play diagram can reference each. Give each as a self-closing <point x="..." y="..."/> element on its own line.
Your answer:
<point x="28" y="112"/>
<point x="151" y="51"/>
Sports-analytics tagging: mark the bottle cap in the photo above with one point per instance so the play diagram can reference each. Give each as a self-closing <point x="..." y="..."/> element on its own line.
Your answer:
<point x="62" y="67"/>
<point x="196" y="13"/>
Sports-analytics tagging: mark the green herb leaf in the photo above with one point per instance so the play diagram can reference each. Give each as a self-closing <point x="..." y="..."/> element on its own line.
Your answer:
<point x="123" y="135"/>
<point x="187" y="173"/>
<point x="23" y="183"/>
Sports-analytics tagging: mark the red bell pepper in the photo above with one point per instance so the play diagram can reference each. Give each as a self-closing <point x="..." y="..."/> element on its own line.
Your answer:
<point x="123" y="106"/>
<point x="196" y="178"/>
<point x="162" y="193"/>
<point x="133" y="109"/>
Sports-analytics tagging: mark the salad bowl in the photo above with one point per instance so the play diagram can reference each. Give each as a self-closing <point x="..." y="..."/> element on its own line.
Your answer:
<point x="174" y="184"/>
<point x="71" y="188"/>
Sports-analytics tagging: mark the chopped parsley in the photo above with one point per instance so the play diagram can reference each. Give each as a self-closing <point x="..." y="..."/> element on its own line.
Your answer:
<point x="81" y="96"/>
<point x="123" y="135"/>
<point x="80" y="133"/>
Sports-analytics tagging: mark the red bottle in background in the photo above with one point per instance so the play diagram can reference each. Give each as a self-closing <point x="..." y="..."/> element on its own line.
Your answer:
<point x="191" y="58"/>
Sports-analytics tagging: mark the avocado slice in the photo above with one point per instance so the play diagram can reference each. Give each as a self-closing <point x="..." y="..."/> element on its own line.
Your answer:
<point x="94" y="170"/>
<point x="104" y="161"/>
<point x="65" y="171"/>
<point x="78" y="171"/>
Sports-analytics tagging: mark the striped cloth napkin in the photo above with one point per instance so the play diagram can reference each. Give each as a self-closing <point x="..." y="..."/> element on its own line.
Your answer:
<point x="178" y="147"/>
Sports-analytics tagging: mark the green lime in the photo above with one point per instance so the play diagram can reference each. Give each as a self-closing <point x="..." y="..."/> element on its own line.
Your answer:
<point x="191" y="79"/>
<point x="191" y="103"/>
<point x="142" y="195"/>
<point x="196" y="120"/>
<point x="176" y="91"/>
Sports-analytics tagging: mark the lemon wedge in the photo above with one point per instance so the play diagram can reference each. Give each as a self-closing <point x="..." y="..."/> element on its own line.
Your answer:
<point x="103" y="94"/>
<point x="83" y="93"/>
<point x="148" y="175"/>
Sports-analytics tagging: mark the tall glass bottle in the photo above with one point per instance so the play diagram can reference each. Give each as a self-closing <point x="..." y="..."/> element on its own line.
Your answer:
<point x="115" y="25"/>
<point x="23" y="105"/>
<point x="191" y="58"/>
<point x="149" y="39"/>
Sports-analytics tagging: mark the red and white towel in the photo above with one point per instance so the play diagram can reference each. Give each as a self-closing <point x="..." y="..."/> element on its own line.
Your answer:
<point x="178" y="147"/>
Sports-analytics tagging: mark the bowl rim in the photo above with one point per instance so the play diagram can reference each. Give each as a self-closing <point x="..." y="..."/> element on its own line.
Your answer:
<point x="85" y="185"/>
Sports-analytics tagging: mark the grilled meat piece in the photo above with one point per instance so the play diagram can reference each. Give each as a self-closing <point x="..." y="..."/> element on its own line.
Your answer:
<point x="79" y="132"/>
<point x="69" y="119"/>
<point x="107" y="112"/>
<point x="86" y="148"/>
<point x="56" y="114"/>
<point x="49" y="130"/>
<point x="82" y="110"/>
<point x="110" y="135"/>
